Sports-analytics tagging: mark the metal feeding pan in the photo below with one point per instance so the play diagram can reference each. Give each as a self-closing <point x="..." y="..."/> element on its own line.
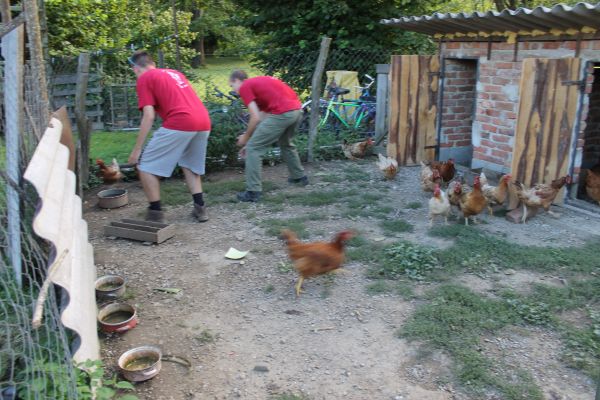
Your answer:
<point x="112" y="198"/>
<point x="110" y="287"/>
<point x="117" y="317"/>
<point x="141" y="363"/>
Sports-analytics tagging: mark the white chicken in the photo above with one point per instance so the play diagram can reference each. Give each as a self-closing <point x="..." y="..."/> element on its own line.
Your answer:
<point x="388" y="166"/>
<point x="438" y="205"/>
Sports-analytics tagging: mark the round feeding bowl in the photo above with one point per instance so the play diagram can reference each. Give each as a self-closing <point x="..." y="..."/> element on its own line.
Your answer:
<point x="110" y="287"/>
<point x="117" y="317"/>
<point x="112" y="198"/>
<point x="140" y="364"/>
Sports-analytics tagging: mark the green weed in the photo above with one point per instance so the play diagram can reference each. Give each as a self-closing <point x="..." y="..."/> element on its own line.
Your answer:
<point x="404" y="259"/>
<point x="396" y="226"/>
<point x="414" y="205"/>
<point x="274" y="226"/>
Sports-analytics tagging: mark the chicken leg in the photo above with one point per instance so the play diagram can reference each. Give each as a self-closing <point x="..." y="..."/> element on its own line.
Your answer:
<point x="524" y="214"/>
<point x="299" y="286"/>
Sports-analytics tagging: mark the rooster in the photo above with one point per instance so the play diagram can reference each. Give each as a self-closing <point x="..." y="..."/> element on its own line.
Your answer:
<point x="429" y="177"/>
<point x="540" y="195"/>
<point x="495" y="195"/>
<point x="473" y="203"/>
<point x="312" y="259"/>
<point x="438" y="205"/>
<point x="592" y="183"/>
<point x="111" y="173"/>
<point x="388" y="166"/>
<point x="353" y="151"/>
<point x="446" y="168"/>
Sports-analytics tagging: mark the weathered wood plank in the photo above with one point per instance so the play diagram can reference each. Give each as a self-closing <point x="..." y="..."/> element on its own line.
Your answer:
<point x="546" y="119"/>
<point x="413" y="108"/>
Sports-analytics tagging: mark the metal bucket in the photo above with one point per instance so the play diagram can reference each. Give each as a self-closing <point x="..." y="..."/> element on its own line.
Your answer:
<point x="140" y="364"/>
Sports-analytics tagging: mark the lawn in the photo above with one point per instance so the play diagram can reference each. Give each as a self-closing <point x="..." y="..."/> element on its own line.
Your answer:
<point x="216" y="74"/>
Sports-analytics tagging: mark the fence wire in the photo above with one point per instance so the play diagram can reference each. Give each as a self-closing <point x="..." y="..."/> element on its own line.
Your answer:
<point x="34" y="363"/>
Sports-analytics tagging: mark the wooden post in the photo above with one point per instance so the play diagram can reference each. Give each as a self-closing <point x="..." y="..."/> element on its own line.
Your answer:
<point x="13" y="53"/>
<point x="383" y="73"/>
<point x="316" y="96"/>
<point x="36" y="51"/>
<point x="5" y="11"/>
<point x="176" y="30"/>
<point x="161" y="59"/>
<point x="84" y="126"/>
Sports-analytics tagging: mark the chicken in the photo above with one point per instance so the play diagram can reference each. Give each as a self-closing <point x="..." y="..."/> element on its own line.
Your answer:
<point x="446" y="168"/>
<point x="311" y="259"/>
<point x="438" y="205"/>
<point x="540" y="195"/>
<point x="456" y="190"/>
<point x="473" y="203"/>
<point x="429" y="178"/>
<point x="592" y="183"/>
<point x="111" y="173"/>
<point x="353" y="151"/>
<point x="388" y="166"/>
<point x="495" y="195"/>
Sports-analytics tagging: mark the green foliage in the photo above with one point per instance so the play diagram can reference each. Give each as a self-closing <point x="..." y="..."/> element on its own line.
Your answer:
<point x="404" y="259"/>
<point x="395" y="226"/>
<point x="414" y="205"/>
<point x="582" y="346"/>
<point x="222" y="150"/>
<point x="275" y="226"/>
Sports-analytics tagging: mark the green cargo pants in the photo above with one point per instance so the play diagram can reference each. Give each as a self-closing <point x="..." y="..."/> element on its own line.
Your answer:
<point x="279" y="128"/>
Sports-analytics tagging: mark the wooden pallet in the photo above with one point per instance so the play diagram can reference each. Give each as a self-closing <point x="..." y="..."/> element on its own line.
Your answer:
<point x="144" y="231"/>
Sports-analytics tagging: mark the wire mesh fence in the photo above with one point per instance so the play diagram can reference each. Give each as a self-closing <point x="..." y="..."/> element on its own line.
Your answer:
<point x="34" y="363"/>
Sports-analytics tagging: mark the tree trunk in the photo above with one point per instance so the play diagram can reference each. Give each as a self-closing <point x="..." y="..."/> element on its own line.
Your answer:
<point x="198" y="43"/>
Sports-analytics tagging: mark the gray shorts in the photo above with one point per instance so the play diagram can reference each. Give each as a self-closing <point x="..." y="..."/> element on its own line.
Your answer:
<point x="169" y="147"/>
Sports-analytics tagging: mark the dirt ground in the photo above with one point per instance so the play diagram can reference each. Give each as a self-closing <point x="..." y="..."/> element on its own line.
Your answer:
<point x="248" y="336"/>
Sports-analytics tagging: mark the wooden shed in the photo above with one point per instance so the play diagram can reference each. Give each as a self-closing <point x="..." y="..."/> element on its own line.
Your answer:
<point x="511" y="91"/>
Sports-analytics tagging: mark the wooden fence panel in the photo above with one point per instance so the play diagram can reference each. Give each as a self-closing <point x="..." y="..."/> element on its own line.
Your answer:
<point x="414" y="82"/>
<point x="547" y="112"/>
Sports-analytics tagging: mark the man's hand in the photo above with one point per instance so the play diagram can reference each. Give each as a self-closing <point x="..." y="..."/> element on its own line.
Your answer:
<point x="242" y="139"/>
<point x="134" y="157"/>
<point x="242" y="152"/>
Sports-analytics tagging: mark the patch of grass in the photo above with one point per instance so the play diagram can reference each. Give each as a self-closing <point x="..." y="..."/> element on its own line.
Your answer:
<point x="285" y="267"/>
<point x="469" y="241"/>
<point x="331" y="179"/>
<point x="405" y="290"/>
<point x="582" y="347"/>
<point x="174" y="192"/>
<point x="220" y="191"/>
<point x="414" y="205"/>
<point x="274" y="226"/>
<point x="454" y="321"/>
<point x="269" y="289"/>
<point x="404" y="259"/>
<point x="378" y="287"/>
<point x="206" y="337"/>
<point x="356" y="174"/>
<point x="396" y="226"/>
<point x="109" y="145"/>
<point x="289" y="396"/>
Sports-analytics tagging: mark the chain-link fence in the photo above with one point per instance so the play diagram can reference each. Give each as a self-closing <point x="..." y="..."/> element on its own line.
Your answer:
<point x="34" y="363"/>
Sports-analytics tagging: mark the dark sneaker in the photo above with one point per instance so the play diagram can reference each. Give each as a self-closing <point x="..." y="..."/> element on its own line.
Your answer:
<point x="155" y="215"/>
<point x="248" y="196"/>
<point x="200" y="213"/>
<point x="300" y="181"/>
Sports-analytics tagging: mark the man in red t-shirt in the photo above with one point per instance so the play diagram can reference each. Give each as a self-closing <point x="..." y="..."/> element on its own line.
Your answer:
<point x="275" y="112"/>
<point x="182" y="138"/>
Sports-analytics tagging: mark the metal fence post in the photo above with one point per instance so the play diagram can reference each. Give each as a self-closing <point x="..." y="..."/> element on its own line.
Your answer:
<point x="13" y="53"/>
<point x="316" y="95"/>
<point x="381" y="111"/>
<point x="84" y="125"/>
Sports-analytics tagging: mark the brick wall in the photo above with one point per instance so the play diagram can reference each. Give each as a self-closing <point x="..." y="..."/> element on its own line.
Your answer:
<point x="460" y="79"/>
<point x="497" y="99"/>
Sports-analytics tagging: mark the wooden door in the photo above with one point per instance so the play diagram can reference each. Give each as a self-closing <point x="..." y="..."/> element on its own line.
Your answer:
<point x="549" y="94"/>
<point x="414" y="82"/>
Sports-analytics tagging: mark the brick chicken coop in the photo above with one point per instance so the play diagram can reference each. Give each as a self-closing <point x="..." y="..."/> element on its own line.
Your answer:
<point x="511" y="91"/>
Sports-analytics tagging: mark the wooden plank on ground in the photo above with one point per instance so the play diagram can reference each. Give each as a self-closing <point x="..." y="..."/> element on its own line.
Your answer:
<point x="546" y="120"/>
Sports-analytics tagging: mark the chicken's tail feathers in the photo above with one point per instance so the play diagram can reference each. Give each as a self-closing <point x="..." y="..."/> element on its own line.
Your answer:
<point x="100" y="163"/>
<point x="288" y="236"/>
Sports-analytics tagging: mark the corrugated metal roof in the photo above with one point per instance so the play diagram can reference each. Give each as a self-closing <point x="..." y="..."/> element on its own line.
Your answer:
<point x="538" y="20"/>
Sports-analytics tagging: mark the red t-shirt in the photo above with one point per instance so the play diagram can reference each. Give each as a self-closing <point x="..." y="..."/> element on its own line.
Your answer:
<point x="173" y="99"/>
<point x="270" y="94"/>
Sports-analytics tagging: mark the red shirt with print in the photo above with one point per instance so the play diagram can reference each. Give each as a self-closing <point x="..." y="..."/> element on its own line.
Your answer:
<point x="173" y="99"/>
<point x="270" y="94"/>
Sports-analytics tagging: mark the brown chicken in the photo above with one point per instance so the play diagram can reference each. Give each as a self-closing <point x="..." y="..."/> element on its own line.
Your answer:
<point x="429" y="178"/>
<point x="388" y="166"/>
<point x="352" y="151"/>
<point x="473" y="203"/>
<point x="456" y="189"/>
<point x="446" y="168"/>
<point x="592" y="183"/>
<point x="109" y="173"/>
<point x="540" y="195"/>
<point x="495" y="195"/>
<point x="311" y="259"/>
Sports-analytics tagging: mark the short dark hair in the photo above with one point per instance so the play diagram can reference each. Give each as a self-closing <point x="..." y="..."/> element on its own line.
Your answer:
<point x="238" y="74"/>
<point x="141" y="58"/>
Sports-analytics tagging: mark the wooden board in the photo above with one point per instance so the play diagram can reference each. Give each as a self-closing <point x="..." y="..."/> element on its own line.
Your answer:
<point x="546" y="119"/>
<point x="414" y="82"/>
<point x="144" y="231"/>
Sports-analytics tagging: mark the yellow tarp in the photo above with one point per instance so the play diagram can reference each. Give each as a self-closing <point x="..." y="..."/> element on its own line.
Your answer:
<point x="344" y="79"/>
